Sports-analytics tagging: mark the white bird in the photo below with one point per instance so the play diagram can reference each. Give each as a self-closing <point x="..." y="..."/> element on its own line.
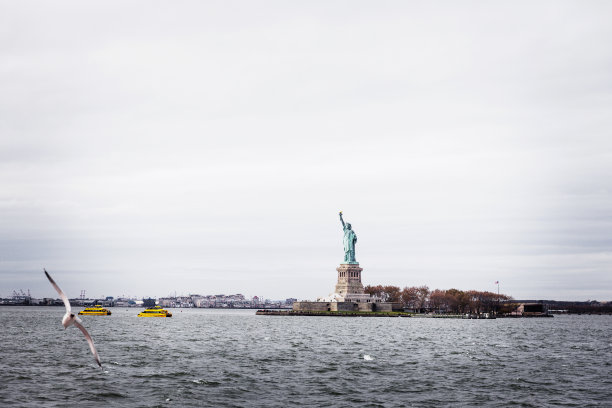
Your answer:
<point x="70" y="318"/>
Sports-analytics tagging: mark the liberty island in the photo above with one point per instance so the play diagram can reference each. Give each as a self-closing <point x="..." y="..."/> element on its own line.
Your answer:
<point x="349" y="294"/>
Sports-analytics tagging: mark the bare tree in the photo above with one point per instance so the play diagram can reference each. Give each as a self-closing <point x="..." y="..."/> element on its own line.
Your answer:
<point x="423" y="294"/>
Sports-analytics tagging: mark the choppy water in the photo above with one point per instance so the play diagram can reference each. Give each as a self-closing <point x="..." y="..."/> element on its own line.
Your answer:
<point x="234" y="358"/>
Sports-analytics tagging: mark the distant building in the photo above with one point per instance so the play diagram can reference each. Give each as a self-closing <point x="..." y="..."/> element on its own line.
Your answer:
<point x="149" y="302"/>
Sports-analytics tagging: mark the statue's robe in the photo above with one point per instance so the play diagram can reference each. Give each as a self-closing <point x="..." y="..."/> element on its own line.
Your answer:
<point x="349" y="240"/>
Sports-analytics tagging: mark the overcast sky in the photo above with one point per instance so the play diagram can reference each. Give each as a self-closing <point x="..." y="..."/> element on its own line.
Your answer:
<point x="152" y="147"/>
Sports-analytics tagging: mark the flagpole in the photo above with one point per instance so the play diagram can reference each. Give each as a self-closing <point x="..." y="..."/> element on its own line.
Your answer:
<point x="497" y="296"/>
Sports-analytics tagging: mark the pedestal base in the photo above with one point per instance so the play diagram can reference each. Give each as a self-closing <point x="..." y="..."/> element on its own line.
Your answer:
<point x="349" y="280"/>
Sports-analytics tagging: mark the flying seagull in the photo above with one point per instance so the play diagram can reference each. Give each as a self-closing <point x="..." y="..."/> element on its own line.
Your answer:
<point x="70" y="318"/>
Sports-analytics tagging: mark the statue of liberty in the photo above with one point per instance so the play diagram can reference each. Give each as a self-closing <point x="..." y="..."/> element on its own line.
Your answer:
<point x="350" y="238"/>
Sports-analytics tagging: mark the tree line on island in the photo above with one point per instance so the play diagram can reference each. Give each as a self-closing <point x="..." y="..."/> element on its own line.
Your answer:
<point x="420" y="299"/>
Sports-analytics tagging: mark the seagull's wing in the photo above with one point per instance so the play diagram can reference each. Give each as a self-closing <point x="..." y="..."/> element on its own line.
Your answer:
<point x="90" y="341"/>
<point x="57" y="288"/>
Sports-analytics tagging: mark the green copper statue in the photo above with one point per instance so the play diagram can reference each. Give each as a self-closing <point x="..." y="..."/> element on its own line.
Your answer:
<point x="350" y="238"/>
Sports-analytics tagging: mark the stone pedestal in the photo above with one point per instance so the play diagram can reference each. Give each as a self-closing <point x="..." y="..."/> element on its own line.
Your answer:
<point x="349" y="295"/>
<point x="349" y="280"/>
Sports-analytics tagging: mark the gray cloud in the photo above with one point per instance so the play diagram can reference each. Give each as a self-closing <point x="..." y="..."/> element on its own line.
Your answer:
<point x="210" y="145"/>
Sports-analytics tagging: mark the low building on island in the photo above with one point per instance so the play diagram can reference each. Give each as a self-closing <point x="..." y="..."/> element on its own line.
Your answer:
<point x="532" y="310"/>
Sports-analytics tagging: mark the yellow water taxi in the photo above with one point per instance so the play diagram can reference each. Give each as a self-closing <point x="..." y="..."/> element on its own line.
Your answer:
<point x="155" y="311"/>
<point x="95" y="310"/>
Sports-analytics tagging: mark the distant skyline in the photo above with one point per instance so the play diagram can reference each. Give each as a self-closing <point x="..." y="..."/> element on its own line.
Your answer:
<point x="207" y="147"/>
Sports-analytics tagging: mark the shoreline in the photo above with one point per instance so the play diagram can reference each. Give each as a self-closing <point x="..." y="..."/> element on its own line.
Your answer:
<point x="267" y="312"/>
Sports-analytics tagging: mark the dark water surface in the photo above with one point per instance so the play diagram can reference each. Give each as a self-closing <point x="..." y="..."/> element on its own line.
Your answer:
<point x="207" y="357"/>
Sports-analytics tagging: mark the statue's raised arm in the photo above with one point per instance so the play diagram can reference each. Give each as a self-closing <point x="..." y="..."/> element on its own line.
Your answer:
<point x="342" y="221"/>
